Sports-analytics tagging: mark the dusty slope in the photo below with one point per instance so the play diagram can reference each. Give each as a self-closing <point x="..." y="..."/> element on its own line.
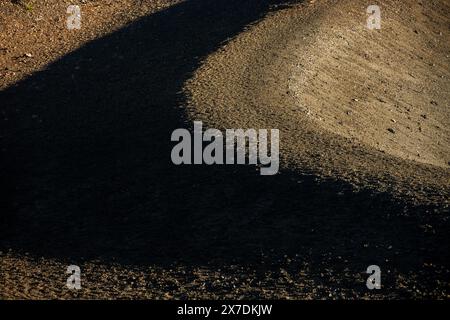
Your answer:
<point x="361" y="84"/>
<point x="33" y="33"/>
<point x="336" y="90"/>
<point x="140" y="228"/>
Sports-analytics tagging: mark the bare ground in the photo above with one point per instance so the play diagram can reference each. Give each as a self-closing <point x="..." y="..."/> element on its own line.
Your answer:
<point x="87" y="177"/>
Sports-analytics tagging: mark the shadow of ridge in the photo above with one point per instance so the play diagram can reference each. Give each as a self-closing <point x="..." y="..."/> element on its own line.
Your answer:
<point x="86" y="152"/>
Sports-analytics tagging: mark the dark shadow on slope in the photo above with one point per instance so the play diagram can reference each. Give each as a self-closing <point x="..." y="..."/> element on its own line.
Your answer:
<point x="86" y="170"/>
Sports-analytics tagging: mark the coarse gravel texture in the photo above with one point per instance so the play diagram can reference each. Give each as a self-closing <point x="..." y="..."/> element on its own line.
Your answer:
<point x="86" y="118"/>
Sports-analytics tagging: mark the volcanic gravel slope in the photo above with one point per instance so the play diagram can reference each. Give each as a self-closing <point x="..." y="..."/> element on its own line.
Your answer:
<point x="369" y="106"/>
<point x="86" y="123"/>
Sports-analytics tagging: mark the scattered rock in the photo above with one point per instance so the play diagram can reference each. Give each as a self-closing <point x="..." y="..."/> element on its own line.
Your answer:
<point x="391" y="130"/>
